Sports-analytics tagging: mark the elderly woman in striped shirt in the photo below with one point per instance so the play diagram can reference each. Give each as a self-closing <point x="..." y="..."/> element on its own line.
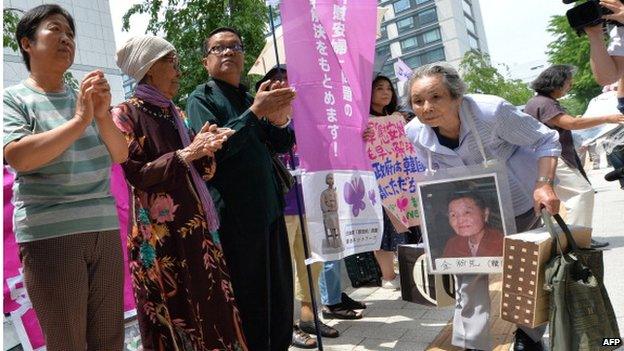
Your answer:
<point x="456" y="130"/>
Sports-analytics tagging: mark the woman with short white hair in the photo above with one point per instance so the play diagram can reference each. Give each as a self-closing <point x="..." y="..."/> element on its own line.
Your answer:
<point x="457" y="130"/>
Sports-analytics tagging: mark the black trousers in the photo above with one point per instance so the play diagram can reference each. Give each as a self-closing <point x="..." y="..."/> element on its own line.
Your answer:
<point x="261" y="273"/>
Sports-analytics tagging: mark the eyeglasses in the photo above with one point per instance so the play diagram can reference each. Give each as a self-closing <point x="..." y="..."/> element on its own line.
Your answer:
<point x="220" y="50"/>
<point x="173" y="60"/>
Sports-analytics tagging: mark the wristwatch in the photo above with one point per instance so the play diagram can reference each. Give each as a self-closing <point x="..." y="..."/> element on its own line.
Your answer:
<point x="544" y="179"/>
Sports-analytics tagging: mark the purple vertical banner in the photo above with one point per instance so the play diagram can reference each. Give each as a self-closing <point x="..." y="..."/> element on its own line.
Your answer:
<point x="329" y="46"/>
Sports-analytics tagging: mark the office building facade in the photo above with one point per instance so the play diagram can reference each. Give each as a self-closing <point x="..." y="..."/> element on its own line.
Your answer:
<point x="95" y="43"/>
<point x="425" y="31"/>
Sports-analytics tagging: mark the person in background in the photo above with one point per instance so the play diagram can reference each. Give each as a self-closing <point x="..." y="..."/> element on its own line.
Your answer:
<point x="179" y="275"/>
<point x="456" y="130"/>
<point x="336" y="303"/>
<point x="251" y="201"/>
<point x="573" y="187"/>
<point x="384" y="102"/>
<point x="607" y="62"/>
<point x="61" y="144"/>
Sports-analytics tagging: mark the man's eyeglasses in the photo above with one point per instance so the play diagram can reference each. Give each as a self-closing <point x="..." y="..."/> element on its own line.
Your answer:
<point x="222" y="49"/>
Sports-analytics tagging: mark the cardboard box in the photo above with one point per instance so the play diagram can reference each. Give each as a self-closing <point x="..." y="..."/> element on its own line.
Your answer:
<point x="417" y="285"/>
<point x="524" y="300"/>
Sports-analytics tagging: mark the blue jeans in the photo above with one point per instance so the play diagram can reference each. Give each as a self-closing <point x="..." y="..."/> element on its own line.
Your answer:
<point x="329" y="283"/>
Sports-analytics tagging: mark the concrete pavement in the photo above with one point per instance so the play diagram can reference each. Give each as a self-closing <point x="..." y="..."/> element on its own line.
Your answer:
<point x="392" y="324"/>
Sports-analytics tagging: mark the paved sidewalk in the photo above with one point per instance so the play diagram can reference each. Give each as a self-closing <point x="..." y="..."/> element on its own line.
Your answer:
<point x="392" y="324"/>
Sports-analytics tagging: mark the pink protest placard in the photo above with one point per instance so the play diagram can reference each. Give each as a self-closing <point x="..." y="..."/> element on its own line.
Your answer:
<point x="395" y="165"/>
<point x="16" y="300"/>
<point x="329" y="47"/>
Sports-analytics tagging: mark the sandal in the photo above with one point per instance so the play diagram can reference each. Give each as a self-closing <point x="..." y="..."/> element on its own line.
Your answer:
<point x="326" y="330"/>
<point x="351" y="304"/>
<point x="302" y="339"/>
<point x="339" y="311"/>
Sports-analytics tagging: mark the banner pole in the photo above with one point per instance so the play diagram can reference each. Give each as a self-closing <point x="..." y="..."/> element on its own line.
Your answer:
<point x="304" y="235"/>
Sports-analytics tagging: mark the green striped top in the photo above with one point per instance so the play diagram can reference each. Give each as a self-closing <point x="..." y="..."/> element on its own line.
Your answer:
<point x="69" y="195"/>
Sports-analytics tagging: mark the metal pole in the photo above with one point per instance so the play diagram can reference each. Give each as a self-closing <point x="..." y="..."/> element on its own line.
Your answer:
<point x="306" y="250"/>
<point x="304" y="235"/>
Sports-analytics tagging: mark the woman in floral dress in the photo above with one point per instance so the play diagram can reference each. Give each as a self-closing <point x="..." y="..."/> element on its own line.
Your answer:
<point x="180" y="280"/>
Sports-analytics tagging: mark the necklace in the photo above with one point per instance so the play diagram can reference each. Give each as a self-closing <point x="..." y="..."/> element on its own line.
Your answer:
<point x="163" y="114"/>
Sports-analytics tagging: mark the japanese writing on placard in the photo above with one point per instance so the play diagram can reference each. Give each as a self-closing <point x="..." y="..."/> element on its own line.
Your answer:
<point x="469" y="265"/>
<point x="395" y="165"/>
<point x="340" y="45"/>
<point x="329" y="96"/>
<point x="360" y="235"/>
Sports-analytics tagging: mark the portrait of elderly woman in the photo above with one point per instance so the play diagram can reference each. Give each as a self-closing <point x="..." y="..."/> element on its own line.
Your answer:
<point x="468" y="216"/>
<point x="181" y="283"/>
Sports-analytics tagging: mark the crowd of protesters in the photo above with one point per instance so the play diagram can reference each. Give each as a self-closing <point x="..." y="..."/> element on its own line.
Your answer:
<point x="213" y="239"/>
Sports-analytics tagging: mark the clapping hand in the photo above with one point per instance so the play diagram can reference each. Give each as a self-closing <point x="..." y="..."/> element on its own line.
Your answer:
<point x="213" y="138"/>
<point x="94" y="97"/>
<point x="272" y="96"/>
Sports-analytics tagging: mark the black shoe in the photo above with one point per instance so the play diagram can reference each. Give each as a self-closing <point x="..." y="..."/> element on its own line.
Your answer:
<point x="326" y="330"/>
<point x="302" y="339"/>
<point x="351" y="303"/>
<point x="339" y="311"/>
<point x="524" y="342"/>
<point x="595" y="244"/>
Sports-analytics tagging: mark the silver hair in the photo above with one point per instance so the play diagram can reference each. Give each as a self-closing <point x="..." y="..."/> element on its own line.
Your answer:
<point x="450" y="78"/>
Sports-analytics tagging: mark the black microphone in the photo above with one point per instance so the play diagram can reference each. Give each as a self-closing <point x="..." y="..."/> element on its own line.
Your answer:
<point x="615" y="175"/>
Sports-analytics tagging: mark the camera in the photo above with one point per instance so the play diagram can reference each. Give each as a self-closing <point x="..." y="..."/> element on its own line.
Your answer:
<point x="587" y="14"/>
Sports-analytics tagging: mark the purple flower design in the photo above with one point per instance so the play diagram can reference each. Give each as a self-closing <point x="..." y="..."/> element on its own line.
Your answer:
<point x="372" y="197"/>
<point x="354" y="192"/>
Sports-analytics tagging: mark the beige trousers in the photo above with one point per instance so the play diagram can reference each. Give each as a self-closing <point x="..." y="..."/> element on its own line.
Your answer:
<point x="576" y="194"/>
<point x="295" y="240"/>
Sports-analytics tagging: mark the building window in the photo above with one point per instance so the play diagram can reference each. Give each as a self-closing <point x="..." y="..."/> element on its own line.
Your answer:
<point x="431" y="36"/>
<point x="470" y="25"/>
<point x="427" y="16"/>
<point x="382" y="51"/>
<point x="467" y="8"/>
<point x="388" y="69"/>
<point x="418" y="2"/>
<point x="383" y="32"/>
<point x="405" y="24"/>
<point x="401" y="5"/>
<point x="433" y="56"/>
<point x="413" y="61"/>
<point x="409" y="43"/>
<point x="474" y="43"/>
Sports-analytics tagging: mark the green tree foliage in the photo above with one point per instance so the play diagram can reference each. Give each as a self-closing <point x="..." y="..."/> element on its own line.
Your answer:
<point x="481" y="77"/>
<point x="186" y="23"/>
<point x="569" y="48"/>
<point x="10" y="17"/>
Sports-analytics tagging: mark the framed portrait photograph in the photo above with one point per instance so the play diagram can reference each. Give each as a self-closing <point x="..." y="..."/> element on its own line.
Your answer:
<point x="463" y="224"/>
